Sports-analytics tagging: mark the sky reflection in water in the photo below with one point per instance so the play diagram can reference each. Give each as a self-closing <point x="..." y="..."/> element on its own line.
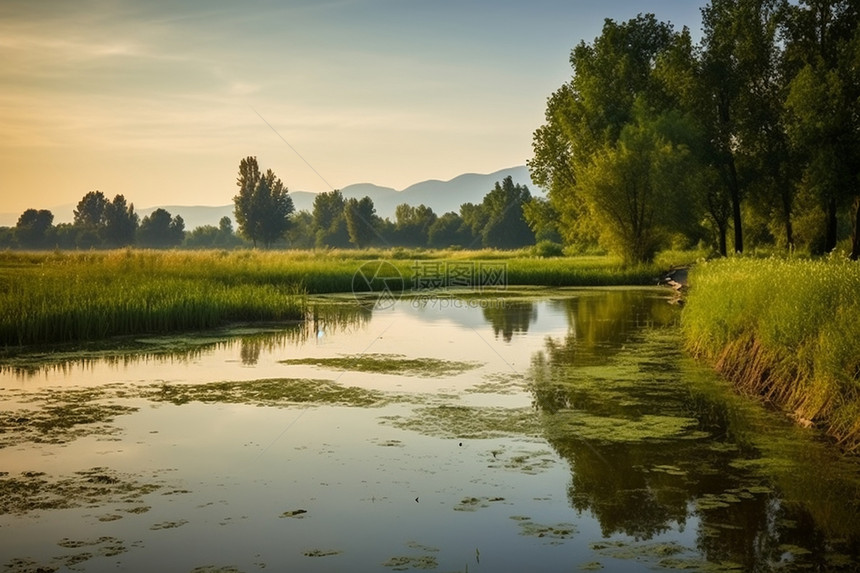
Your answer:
<point x="580" y="435"/>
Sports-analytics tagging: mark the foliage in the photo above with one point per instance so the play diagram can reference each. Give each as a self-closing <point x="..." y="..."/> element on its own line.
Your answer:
<point x="262" y="207"/>
<point x="120" y="223"/>
<point x="31" y="232"/>
<point x="506" y="228"/>
<point x="361" y="221"/>
<point x="770" y="98"/>
<point x="160" y="230"/>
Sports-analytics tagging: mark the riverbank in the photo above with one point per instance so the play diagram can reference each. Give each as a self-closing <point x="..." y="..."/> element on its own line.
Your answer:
<point x="786" y="331"/>
<point x="70" y="296"/>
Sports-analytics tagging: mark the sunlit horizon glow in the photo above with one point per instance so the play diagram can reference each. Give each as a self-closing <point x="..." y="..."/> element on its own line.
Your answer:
<point x="159" y="102"/>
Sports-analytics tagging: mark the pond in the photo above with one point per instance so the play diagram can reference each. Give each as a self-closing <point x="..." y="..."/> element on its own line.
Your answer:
<point x="551" y="430"/>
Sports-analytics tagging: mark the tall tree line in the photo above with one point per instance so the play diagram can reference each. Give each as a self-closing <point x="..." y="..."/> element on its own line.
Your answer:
<point x="754" y="132"/>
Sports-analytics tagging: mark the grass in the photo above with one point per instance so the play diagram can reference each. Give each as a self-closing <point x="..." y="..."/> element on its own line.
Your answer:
<point x="71" y="296"/>
<point x="787" y="330"/>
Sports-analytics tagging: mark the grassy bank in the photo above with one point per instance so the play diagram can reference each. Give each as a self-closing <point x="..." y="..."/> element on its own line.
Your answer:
<point x="788" y="331"/>
<point x="71" y="296"/>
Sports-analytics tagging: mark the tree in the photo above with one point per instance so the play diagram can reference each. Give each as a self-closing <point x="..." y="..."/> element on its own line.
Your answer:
<point x="823" y="108"/>
<point x="329" y="220"/>
<point x="300" y="235"/>
<point x="262" y="207"/>
<point x="542" y="219"/>
<point x="119" y="222"/>
<point x="412" y="224"/>
<point x="633" y="188"/>
<point x="360" y="221"/>
<point x="160" y="230"/>
<point x="506" y="228"/>
<point x="90" y="210"/>
<point x="32" y="229"/>
<point x="448" y="231"/>
<point x="588" y="113"/>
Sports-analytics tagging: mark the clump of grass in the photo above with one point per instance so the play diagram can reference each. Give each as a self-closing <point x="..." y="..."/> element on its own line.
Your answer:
<point x="787" y="330"/>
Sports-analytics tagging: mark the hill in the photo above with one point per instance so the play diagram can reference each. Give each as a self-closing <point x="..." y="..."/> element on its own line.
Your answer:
<point x="441" y="196"/>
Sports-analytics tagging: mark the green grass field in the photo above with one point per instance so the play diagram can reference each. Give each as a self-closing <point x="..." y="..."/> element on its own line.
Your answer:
<point x="75" y="296"/>
<point x="787" y="330"/>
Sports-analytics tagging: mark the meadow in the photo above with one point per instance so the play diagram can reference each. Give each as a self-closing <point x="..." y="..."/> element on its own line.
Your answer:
<point x="784" y="330"/>
<point x="71" y="296"/>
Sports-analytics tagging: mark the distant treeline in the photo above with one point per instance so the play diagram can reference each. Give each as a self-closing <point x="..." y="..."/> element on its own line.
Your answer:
<point x="265" y="216"/>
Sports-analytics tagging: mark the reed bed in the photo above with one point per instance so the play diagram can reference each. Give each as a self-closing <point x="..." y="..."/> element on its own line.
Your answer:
<point x="787" y="330"/>
<point x="73" y="296"/>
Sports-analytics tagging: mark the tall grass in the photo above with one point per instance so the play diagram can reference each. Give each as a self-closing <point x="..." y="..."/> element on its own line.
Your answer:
<point x="86" y="296"/>
<point x="788" y="330"/>
<point x="72" y="296"/>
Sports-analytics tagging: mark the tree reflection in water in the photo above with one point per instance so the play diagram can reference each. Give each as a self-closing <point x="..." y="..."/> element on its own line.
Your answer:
<point x="656" y="443"/>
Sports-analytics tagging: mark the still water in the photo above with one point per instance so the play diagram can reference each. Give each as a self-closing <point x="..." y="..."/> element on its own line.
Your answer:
<point x="536" y="430"/>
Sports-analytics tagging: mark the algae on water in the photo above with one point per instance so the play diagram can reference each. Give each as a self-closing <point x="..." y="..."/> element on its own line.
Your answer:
<point x="389" y="364"/>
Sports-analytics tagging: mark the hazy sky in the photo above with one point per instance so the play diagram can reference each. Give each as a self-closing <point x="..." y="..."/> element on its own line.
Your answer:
<point x="159" y="100"/>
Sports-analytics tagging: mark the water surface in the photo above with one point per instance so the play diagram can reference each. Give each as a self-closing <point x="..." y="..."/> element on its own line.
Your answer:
<point x="543" y="430"/>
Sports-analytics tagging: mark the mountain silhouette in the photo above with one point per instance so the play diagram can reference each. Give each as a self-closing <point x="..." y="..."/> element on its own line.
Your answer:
<point x="441" y="196"/>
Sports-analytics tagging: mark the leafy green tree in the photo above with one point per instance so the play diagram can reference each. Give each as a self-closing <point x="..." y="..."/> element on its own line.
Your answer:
<point x="543" y="219"/>
<point x="90" y="210"/>
<point x="300" y="235"/>
<point x="329" y="220"/>
<point x="263" y="206"/>
<point x="633" y="189"/>
<point x="361" y="218"/>
<point x="506" y="227"/>
<point x="588" y="114"/>
<point x="412" y="224"/>
<point x="160" y="230"/>
<point x="823" y="108"/>
<point x="449" y="230"/>
<point x="119" y="222"/>
<point x="32" y="230"/>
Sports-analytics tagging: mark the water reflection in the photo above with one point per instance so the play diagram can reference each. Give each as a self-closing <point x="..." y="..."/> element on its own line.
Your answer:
<point x="122" y="353"/>
<point x="656" y="443"/>
<point x="512" y="317"/>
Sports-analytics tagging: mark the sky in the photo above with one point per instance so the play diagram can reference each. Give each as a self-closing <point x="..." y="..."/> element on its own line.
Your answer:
<point x="160" y="100"/>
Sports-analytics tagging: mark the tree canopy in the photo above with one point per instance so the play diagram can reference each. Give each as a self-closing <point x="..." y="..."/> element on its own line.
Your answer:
<point x="262" y="207"/>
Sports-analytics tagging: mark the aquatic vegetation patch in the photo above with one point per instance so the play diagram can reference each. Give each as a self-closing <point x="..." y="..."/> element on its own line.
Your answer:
<point x="295" y="513"/>
<point x="596" y="428"/>
<point x="530" y="462"/>
<point x="265" y="392"/>
<point x="476" y="503"/>
<point x="465" y="422"/>
<point x="502" y="383"/>
<point x="389" y="364"/>
<point x="60" y="416"/>
<point x="321" y="552"/>
<point x="167" y="525"/>
<point x="406" y="562"/>
<point x="30" y="492"/>
<point x="558" y="532"/>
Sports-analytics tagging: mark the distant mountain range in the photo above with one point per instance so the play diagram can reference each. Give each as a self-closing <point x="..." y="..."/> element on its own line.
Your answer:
<point x="441" y="196"/>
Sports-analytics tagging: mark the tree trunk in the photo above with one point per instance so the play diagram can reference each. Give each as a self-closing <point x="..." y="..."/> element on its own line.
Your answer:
<point x="830" y="235"/>
<point x="723" y="231"/>
<point x="855" y="235"/>
<point x="786" y="213"/>
<point x="735" y="191"/>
